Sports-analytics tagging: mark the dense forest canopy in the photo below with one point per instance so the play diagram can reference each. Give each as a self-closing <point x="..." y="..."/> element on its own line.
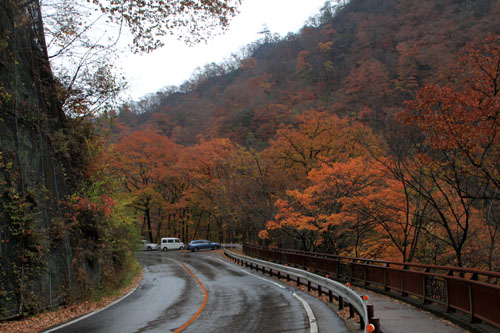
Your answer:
<point x="372" y="132"/>
<point x="67" y="230"/>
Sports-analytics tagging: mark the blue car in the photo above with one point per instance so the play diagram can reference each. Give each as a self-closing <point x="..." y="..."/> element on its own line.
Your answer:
<point x="197" y="245"/>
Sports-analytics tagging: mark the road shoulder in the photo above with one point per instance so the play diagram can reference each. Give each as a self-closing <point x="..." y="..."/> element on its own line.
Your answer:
<point x="47" y="320"/>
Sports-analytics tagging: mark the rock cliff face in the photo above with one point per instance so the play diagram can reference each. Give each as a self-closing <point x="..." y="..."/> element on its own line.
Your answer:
<point x="35" y="265"/>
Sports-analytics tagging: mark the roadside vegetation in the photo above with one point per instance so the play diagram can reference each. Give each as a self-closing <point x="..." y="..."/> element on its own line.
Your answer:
<point x="373" y="132"/>
<point x="67" y="229"/>
<point x="362" y="135"/>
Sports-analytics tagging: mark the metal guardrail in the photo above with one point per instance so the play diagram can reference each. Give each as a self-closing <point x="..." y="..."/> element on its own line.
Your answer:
<point x="232" y="246"/>
<point x="323" y="285"/>
<point x="472" y="292"/>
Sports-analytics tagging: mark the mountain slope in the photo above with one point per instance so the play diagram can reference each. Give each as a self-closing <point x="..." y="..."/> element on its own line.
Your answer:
<point x="363" y="58"/>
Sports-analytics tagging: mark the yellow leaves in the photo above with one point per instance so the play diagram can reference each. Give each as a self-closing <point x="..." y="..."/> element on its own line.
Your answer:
<point x="329" y="65"/>
<point x="325" y="47"/>
<point x="301" y="65"/>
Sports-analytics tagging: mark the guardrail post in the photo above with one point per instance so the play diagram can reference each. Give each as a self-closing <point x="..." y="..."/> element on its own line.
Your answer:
<point x="376" y="323"/>
<point x="385" y="278"/>
<point x="436" y="287"/>
<point x="352" y="299"/>
<point x="448" y="307"/>
<point x="472" y="319"/>
<point x="365" y="271"/>
<point x="403" y="292"/>
<point x="369" y="308"/>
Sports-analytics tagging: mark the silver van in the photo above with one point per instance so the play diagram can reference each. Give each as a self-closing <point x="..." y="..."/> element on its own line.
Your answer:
<point x="171" y="243"/>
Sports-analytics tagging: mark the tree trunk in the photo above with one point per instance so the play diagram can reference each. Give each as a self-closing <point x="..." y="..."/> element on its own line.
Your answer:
<point x="148" y="220"/>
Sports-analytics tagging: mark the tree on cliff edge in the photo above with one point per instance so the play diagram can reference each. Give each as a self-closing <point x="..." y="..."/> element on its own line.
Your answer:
<point x="44" y="154"/>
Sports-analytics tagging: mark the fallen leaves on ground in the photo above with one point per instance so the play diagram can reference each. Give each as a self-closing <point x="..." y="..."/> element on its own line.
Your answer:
<point x="48" y="319"/>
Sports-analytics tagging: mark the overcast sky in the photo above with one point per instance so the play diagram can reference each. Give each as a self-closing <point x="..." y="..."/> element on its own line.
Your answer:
<point x="174" y="63"/>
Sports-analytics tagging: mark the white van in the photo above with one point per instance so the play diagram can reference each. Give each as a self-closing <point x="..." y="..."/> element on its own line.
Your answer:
<point x="171" y="243"/>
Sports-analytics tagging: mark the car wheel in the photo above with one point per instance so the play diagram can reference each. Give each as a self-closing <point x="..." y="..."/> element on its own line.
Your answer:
<point x="196" y="249"/>
<point x="149" y="248"/>
<point x="165" y="249"/>
<point x="181" y="248"/>
<point x="215" y="247"/>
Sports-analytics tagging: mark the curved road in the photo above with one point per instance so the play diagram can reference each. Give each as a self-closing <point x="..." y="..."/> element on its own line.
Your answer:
<point x="204" y="292"/>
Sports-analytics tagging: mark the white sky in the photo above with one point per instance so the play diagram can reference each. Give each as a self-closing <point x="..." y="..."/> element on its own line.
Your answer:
<point x="173" y="64"/>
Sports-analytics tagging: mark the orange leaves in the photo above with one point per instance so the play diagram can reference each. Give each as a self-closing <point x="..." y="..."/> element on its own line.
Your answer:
<point x="328" y="31"/>
<point x="330" y="203"/>
<point x="326" y="46"/>
<point x="261" y="84"/>
<point x="446" y="116"/>
<point x="319" y="136"/>
<point x="302" y="66"/>
<point x="249" y="63"/>
<point x="143" y="156"/>
<point x="370" y="77"/>
<point x="463" y="118"/>
<point x="331" y="175"/>
<point x="263" y="234"/>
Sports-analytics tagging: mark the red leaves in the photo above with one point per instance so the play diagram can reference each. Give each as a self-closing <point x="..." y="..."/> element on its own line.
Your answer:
<point x="103" y="204"/>
<point x="463" y="118"/>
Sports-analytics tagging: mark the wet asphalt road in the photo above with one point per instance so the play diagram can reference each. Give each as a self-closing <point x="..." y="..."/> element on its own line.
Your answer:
<point x="169" y="296"/>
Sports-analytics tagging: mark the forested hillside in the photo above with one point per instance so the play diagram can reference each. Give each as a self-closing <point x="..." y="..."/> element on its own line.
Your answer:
<point x="66" y="231"/>
<point x="372" y="132"/>
<point x="362" y="59"/>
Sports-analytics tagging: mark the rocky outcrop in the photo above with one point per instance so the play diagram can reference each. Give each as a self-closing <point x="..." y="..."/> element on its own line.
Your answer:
<point x="35" y="267"/>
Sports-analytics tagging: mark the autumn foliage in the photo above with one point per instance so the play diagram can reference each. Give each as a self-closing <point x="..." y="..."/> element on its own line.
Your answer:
<point x="393" y="162"/>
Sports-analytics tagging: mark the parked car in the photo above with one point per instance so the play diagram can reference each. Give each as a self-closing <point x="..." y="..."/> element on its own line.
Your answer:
<point x="149" y="246"/>
<point x="196" y="245"/>
<point x="171" y="243"/>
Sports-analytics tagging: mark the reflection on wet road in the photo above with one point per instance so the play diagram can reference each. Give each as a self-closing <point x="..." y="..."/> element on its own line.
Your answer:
<point x="169" y="297"/>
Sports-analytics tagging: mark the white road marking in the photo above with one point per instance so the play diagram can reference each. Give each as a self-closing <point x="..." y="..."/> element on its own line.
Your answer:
<point x="258" y="277"/>
<point x="89" y="314"/>
<point x="310" y="314"/>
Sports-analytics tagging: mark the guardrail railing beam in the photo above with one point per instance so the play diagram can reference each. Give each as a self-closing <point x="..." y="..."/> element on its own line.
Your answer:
<point x="474" y="293"/>
<point x="344" y="293"/>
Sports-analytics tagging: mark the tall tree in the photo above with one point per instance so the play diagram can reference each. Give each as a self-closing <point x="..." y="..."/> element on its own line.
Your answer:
<point x="460" y="122"/>
<point x="142" y="159"/>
